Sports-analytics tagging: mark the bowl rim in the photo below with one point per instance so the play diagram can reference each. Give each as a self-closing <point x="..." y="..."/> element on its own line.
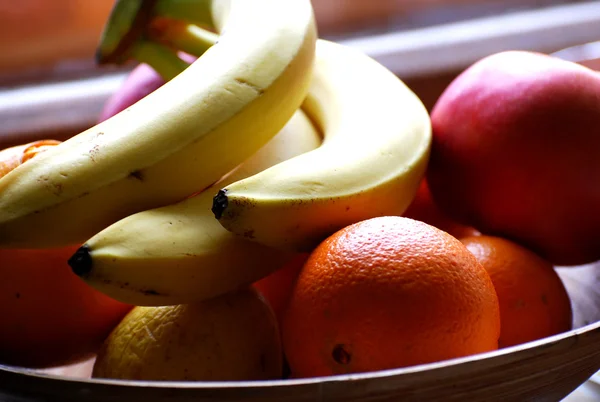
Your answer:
<point x="538" y="346"/>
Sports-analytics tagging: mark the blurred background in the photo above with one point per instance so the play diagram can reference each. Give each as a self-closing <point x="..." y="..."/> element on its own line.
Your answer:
<point x="50" y="85"/>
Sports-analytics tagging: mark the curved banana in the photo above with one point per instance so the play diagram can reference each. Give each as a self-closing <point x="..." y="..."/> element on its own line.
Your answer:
<point x="177" y="140"/>
<point x="179" y="253"/>
<point x="377" y="137"/>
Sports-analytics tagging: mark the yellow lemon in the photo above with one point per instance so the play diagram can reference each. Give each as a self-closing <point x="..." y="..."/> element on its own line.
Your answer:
<point x="232" y="337"/>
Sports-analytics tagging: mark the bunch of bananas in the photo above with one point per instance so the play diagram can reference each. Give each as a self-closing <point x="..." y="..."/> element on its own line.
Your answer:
<point x="270" y="141"/>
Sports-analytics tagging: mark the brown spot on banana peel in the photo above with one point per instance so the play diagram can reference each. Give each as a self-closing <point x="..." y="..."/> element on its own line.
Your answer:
<point x="43" y="179"/>
<point x="137" y="174"/>
<point x="51" y="186"/>
<point x="94" y="152"/>
<point x="126" y="285"/>
<point x="151" y="292"/>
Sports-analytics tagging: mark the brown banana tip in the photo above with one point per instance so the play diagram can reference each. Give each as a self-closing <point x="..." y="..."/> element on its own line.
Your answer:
<point x="220" y="202"/>
<point x="81" y="262"/>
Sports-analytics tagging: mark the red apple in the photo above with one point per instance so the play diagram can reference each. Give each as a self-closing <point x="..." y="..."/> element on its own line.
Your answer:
<point x="516" y="153"/>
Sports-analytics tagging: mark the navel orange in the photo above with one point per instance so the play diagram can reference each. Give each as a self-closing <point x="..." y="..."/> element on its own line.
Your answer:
<point x="384" y="293"/>
<point x="48" y="315"/>
<point x="533" y="300"/>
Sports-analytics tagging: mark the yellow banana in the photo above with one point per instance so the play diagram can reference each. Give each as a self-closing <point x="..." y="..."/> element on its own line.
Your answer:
<point x="179" y="139"/>
<point x="179" y="253"/>
<point x="377" y="137"/>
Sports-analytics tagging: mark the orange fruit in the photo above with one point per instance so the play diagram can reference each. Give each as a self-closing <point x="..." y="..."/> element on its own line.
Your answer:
<point x="423" y="208"/>
<point x="49" y="316"/>
<point x="384" y="293"/>
<point x="533" y="300"/>
<point x="12" y="157"/>
<point x="277" y="287"/>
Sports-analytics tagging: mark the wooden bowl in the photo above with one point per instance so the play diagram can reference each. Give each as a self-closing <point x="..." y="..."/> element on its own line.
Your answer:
<point x="544" y="370"/>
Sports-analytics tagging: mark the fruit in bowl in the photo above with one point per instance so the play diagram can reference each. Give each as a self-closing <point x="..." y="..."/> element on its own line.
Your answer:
<point x="534" y="303"/>
<point x="49" y="317"/>
<point x="424" y="208"/>
<point x="231" y="337"/>
<point x="384" y="293"/>
<point x="187" y="224"/>
<point x="515" y="153"/>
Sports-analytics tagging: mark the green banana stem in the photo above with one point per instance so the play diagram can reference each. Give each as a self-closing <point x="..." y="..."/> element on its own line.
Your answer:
<point x="130" y="20"/>
<point x="165" y="37"/>
<point x="122" y="30"/>
<point x="194" y="11"/>
<point x="162" y="59"/>
<point x="185" y="37"/>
